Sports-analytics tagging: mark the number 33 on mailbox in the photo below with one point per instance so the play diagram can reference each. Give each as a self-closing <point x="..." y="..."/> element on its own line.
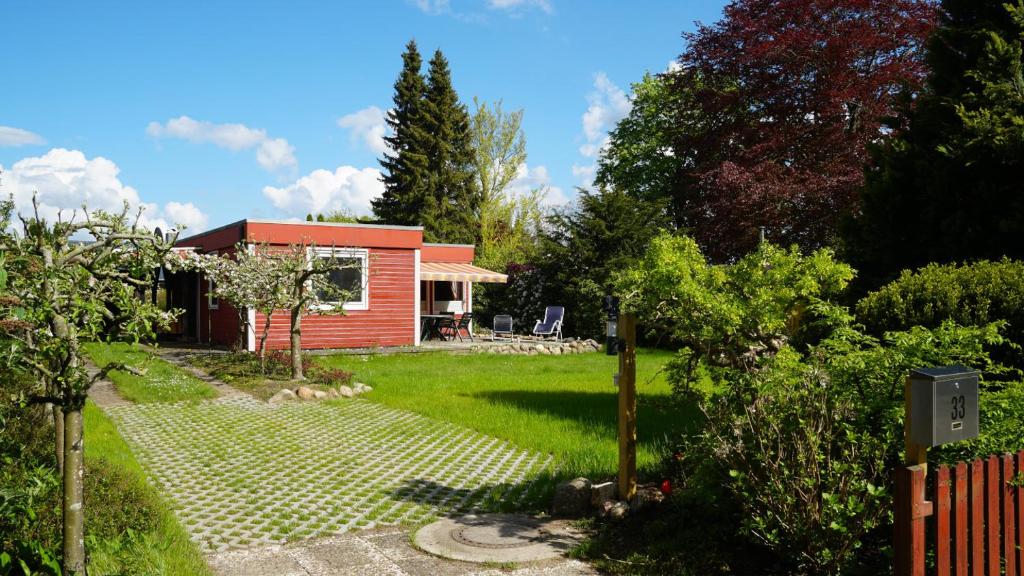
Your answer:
<point x="944" y="405"/>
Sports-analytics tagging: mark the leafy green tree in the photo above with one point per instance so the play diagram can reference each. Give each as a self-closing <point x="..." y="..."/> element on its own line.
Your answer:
<point x="643" y="157"/>
<point x="405" y="164"/>
<point x="452" y="197"/>
<point x="61" y="293"/>
<point x="947" y="187"/>
<point x="606" y="231"/>
<point x="509" y="224"/>
<point x="727" y="315"/>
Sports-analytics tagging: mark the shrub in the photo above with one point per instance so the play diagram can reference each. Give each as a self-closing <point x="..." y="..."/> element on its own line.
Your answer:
<point x="969" y="294"/>
<point x="806" y="442"/>
<point x="330" y="377"/>
<point x="726" y="316"/>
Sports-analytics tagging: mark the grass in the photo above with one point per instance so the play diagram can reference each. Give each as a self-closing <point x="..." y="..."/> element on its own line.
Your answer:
<point x="157" y="545"/>
<point x="161" y="382"/>
<point x="242" y="371"/>
<point x="562" y="405"/>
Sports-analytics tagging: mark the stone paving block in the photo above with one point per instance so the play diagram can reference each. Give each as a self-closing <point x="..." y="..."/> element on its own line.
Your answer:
<point x="239" y="472"/>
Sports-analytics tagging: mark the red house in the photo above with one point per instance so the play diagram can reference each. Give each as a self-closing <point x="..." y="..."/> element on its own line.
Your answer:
<point x="398" y="276"/>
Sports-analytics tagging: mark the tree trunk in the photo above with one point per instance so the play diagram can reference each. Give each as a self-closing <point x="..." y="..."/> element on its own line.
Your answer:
<point x="263" y="343"/>
<point x="58" y="433"/>
<point x="296" y="342"/>
<point x="74" y="514"/>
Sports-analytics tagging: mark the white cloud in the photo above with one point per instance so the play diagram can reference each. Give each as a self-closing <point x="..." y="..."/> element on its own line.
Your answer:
<point x="673" y="66"/>
<point x="64" y="180"/>
<point x="432" y="6"/>
<point x="529" y="179"/>
<point x="347" y="188"/>
<point x="368" y="125"/>
<point x="17" y="137"/>
<point x="584" y="173"/>
<point x="271" y="153"/>
<point x="608" y="105"/>
<point x="543" y="5"/>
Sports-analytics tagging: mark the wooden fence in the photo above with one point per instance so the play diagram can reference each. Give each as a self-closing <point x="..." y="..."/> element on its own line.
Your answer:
<point x="972" y="526"/>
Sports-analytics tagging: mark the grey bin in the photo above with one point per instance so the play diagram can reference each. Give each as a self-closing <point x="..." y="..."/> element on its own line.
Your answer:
<point x="943" y="405"/>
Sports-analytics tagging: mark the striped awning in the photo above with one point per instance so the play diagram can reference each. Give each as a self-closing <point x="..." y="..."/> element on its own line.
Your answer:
<point x="455" y="272"/>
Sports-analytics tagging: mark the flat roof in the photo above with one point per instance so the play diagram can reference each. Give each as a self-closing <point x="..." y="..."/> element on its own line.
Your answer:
<point x="306" y="223"/>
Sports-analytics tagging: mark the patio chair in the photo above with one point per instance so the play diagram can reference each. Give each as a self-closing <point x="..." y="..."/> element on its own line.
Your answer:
<point x="552" y="323"/>
<point x="502" y="327"/>
<point x="456" y="327"/>
<point x="446" y="327"/>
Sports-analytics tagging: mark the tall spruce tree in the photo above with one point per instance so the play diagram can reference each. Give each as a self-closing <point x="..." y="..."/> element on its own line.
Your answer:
<point x="949" y="187"/>
<point x="449" y="212"/>
<point x="405" y="164"/>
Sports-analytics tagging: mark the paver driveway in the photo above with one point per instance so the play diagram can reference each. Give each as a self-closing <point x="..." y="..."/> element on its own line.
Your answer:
<point x="241" y="472"/>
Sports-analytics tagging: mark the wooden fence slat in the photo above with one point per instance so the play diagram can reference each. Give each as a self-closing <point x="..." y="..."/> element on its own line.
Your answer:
<point x="1009" y="517"/>
<point x="960" y="523"/>
<point x="977" y="522"/>
<point x="942" y="533"/>
<point x="1020" y="511"/>
<point x="992" y="492"/>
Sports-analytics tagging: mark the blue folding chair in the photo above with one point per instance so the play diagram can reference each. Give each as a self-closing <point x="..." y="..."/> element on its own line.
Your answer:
<point x="552" y="323"/>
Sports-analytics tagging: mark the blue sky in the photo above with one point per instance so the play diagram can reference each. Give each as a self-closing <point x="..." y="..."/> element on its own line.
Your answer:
<point x="208" y="112"/>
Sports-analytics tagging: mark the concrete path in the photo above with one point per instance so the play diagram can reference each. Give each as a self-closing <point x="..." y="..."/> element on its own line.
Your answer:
<point x="369" y="553"/>
<point x="310" y="489"/>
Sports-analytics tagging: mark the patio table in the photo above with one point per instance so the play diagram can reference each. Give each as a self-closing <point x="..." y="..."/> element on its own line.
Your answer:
<point x="431" y="326"/>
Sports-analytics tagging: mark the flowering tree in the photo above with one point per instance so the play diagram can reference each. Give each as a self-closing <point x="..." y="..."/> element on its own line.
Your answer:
<point x="251" y="278"/>
<point x="265" y="280"/>
<point x="59" y="292"/>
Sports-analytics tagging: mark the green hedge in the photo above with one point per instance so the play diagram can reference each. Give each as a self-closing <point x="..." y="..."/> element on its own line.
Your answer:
<point x="969" y="294"/>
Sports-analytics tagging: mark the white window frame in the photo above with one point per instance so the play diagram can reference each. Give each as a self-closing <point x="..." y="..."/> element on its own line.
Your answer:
<point x="361" y="254"/>
<point x="210" y="305"/>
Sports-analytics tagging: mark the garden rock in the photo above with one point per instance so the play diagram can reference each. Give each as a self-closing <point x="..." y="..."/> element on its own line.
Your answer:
<point x="320" y="394"/>
<point x="618" y="510"/>
<point x="346" y="392"/>
<point x="305" y="392"/>
<point x="647" y="496"/>
<point x="602" y="493"/>
<point x="572" y="499"/>
<point x="281" y="396"/>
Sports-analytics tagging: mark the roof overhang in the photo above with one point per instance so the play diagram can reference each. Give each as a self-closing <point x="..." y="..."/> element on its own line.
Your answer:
<point x="458" y="272"/>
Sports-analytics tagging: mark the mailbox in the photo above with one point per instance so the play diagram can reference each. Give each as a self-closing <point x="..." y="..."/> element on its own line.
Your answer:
<point x="943" y="405"/>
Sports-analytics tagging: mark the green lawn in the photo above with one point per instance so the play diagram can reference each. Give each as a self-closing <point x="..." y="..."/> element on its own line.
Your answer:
<point x="563" y="405"/>
<point x="151" y="540"/>
<point x="161" y="381"/>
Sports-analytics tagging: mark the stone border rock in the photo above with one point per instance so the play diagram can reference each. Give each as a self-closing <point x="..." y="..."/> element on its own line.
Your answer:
<point x="579" y="497"/>
<point x="535" y="348"/>
<point x="307" y="393"/>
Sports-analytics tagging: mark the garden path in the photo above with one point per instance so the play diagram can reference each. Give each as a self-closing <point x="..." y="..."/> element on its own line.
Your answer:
<point x="240" y="472"/>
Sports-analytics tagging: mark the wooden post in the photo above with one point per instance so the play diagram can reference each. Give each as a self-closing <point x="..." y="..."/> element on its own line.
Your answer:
<point x="909" y="520"/>
<point x="911" y="505"/>
<point x="627" y="407"/>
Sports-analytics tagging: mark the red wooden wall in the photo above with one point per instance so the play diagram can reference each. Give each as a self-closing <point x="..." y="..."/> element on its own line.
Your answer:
<point x="389" y="321"/>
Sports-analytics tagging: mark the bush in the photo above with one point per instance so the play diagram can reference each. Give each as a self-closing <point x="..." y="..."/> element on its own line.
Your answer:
<point x="969" y="294"/>
<point x="805" y="443"/>
<point x="29" y="486"/>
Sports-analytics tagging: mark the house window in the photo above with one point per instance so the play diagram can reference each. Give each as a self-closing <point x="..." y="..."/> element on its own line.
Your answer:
<point x="351" y="278"/>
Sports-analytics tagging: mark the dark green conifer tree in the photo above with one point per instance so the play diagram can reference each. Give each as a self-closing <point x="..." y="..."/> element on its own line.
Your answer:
<point x="950" y="185"/>
<point x="405" y="164"/>
<point x="449" y="212"/>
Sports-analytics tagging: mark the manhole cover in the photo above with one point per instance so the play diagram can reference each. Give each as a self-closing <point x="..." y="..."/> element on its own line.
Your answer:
<point x="496" y="538"/>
